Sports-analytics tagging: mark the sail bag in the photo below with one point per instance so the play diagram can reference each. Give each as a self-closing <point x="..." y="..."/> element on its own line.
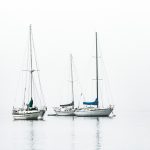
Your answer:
<point x="91" y="103"/>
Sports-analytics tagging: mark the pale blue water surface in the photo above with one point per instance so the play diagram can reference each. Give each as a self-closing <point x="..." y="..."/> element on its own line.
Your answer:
<point x="126" y="131"/>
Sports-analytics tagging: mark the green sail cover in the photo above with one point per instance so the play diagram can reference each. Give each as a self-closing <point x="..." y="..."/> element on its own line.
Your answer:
<point x="30" y="103"/>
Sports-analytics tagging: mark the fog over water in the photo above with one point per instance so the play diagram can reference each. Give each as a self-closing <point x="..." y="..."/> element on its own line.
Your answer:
<point x="126" y="131"/>
<point x="64" y="27"/>
<point x="123" y="38"/>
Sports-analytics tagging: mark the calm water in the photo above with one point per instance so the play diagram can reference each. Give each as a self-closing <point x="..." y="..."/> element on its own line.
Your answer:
<point x="127" y="131"/>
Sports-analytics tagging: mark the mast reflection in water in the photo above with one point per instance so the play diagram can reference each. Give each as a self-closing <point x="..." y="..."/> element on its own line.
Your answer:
<point x="69" y="133"/>
<point x="77" y="133"/>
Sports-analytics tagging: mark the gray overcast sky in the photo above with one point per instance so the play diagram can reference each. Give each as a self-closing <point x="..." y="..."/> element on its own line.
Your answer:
<point x="64" y="27"/>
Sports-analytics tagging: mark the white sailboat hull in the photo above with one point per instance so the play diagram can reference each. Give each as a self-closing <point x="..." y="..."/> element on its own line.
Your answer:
<point x="93" y="112"/>
<point x="64" y="112"/>
<point x="29" y="115"/>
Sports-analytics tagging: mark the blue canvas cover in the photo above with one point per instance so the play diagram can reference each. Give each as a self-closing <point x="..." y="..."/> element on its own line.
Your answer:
<point x="91" y="103"/>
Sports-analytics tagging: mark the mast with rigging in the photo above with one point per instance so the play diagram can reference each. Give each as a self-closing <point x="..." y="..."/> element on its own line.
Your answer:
<point x="97" y="73"/>
<point x="72" y="89"/>
<point x="31" y="70"/>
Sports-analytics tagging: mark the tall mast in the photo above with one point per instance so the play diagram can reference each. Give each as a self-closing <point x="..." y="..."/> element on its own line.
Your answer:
<point x="97" y="71"/>
<point x="72" y="80"/>
<point x="31" y="71"/>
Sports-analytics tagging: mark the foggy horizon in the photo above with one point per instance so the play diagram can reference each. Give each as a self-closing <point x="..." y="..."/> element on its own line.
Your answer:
<point x="123" y="38"/>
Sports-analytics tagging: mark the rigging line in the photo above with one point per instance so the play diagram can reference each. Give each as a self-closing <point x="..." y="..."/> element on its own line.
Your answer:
<point x="24" y="98"/>
<point x="30" y="31"/>
<point x="106" y="74"/>
<point x="102" y="97"/>
<point x="36" y="92"/>
<point x="28" y="93"/>
<point x="97" y="72"/>
<point x="28" y="82"/>
<point x="28" y="65"/>
<point x="102" y="72"/>
<point x="20" y="78"/>
<point x="86" y="69"/>
<point x="35" y="57"/>
<point x="22" y="87"/>
<point x="26" y="75"/>
<point x="72" y="75"/>
<point x="17" y="88"/>
<point x="81" y="89"/>
<point x="25" y="88"/>
<point x="108" y="81"/>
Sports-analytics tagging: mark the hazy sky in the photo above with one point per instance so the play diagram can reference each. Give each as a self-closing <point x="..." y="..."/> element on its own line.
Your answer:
<point x="64" y="27"/>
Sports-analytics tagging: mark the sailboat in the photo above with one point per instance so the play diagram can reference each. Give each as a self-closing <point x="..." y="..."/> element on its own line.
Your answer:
<point x="29" y="111"/>
<point x="67" y="109"/>
<point x="93" y="111"/>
